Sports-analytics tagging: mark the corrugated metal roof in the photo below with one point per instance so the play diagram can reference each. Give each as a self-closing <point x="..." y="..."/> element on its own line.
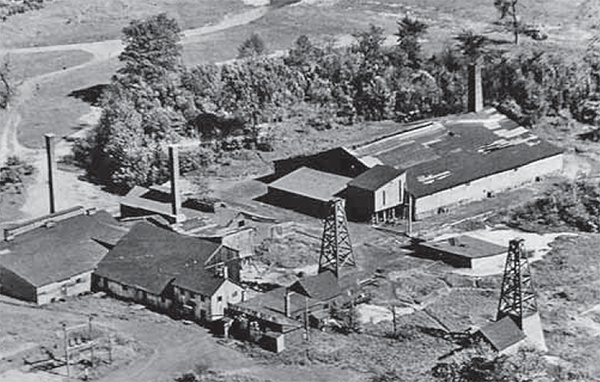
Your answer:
<point x="314" y="184"/>
<point x="458" y="149"/>
<point x="68" y="248"/>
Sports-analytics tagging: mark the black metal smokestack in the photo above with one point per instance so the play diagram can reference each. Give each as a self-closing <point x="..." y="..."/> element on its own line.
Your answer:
<point x="51" y="169"/>
<point x="475" y="91"/>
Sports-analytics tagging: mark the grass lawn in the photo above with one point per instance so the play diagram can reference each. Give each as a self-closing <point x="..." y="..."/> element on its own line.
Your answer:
<point x="568" y="284"/>
<point x="72" y="21"/>
<point x="52" y="110"/>
<point x="27" y="65"/>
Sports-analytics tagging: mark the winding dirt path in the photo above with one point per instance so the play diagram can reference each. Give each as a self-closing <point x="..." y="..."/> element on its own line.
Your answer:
<point x="72" y="190"/>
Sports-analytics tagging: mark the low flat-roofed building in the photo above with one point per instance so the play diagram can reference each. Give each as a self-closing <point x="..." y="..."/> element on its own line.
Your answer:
<point x="56" y="260"/>
<point x="504" y="336"/>
<point x="464" y="251"/>
<point x="307" y="190"/>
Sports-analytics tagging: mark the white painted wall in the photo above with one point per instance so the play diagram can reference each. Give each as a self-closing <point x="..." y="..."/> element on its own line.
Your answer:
<point x="229" y="293"/>
<point x="478" y="189"/>
<point x="72" y="286"/>
<point x="393" y="194"/>
<point x="483" y="264"/>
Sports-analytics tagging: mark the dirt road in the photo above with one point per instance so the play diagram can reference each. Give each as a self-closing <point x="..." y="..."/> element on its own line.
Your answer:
<point x="73" y="191"/>
<point x="174" y="348"/>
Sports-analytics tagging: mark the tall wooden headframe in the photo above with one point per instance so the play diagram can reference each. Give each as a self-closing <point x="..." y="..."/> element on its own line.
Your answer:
<point x="517" y="296"/>
<point x="336" y="247"/>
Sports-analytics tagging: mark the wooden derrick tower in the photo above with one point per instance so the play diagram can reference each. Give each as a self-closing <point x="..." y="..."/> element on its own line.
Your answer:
<point x="517" y="296"/>
<point x="336" y="248"/>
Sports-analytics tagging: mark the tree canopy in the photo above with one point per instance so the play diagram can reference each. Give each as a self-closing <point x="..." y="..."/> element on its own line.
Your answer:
<point x="151" y="48"/>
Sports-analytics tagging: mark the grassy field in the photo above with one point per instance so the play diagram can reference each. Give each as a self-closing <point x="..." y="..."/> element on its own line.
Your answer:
<point x="53" y="110"/>
<point x="72" y="21"/>
<point x="27" y="65"/>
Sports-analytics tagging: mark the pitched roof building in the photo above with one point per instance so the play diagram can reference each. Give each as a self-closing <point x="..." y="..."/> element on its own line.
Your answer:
<point x="307" y="190"/>
<point x="376" y="194"/>
<point x="56" y="260"/>
<point x="160" y="268"/>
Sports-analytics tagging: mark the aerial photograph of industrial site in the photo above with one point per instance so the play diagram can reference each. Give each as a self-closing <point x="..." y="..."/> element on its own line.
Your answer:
<point x="300" y="190"/>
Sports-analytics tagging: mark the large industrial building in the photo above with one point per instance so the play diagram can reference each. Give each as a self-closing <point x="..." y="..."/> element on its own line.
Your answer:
<point x="53" y="257"/>
<point x="448" y="161"/>
<point x="435" y="164"/>
<point x="169" y="271"/>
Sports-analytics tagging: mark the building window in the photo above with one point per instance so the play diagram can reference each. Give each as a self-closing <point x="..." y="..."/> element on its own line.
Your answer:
<point x="78" y="280"/>
<point x="124" y="288"/>
<point x="241" y="223"/>
<point x="234" y="294"/>
<point x="220" y="298"/>
<point x="383" y="196"/>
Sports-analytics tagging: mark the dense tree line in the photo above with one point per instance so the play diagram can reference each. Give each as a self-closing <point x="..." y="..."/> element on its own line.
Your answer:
<point x="154" y="100"/>
<point x="11" y="8"/>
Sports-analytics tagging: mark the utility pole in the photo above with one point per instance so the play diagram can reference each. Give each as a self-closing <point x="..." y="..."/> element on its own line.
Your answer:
<point x="410" y="215"/>
<point x="306" y="328"/>
<point x="66" y="338"/>
<point x="110" y="348"/>
<point x="91" y="340"/>
<point x="393" y="308"/>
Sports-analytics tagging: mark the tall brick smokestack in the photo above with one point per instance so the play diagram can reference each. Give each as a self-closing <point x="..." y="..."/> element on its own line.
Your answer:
<point x="475" y="92"/>
<point x="51" y="169"/>
<point x="175" y="194"/>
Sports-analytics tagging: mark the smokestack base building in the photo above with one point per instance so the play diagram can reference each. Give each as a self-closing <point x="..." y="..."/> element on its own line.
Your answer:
<point x="426" y="167"/>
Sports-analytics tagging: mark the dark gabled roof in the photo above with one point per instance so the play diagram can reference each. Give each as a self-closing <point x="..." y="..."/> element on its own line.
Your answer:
<point x="67" y="248"/>
<point x="149" y="258"/>
<point x="375" y="177"/>
<point x="321" y="287"/>
<point x="311" y="183"/>
<point x="502" y="333"/>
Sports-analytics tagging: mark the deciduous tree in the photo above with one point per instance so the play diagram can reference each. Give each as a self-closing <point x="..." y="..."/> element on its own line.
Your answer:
<point x="151" y="49"/>
<point x="409" y="32"/>
<point x="508" y="9"/>
<point x="252" y="47"/>
<point x="7" y="85"/>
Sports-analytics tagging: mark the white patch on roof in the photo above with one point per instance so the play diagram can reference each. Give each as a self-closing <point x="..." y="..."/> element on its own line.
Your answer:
<point x="370" y="161"/>
<point x="430" y="178"/>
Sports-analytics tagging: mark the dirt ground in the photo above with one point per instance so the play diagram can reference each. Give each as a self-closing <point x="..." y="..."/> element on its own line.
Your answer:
<point x="164" y="348"/>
